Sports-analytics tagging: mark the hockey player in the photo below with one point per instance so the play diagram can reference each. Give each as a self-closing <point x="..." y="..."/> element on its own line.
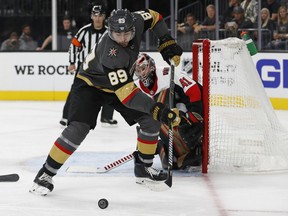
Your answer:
<point x="104" y="78"/>
<point x="187" y="137"/>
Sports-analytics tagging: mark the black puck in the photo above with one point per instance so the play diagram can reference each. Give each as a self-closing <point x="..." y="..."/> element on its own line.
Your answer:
<point x="103" y="203"/>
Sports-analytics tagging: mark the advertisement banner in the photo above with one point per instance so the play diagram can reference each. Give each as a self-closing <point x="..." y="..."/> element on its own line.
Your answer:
<point x="45" y="75"/>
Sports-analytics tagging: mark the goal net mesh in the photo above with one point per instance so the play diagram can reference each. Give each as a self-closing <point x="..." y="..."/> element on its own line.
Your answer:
<point x="244" y="132"/>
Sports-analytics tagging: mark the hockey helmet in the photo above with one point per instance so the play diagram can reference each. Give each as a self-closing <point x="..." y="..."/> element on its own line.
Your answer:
<point x="121" y="21"/>
<point x="144" y="68"/>
<point x="97" y="7"/>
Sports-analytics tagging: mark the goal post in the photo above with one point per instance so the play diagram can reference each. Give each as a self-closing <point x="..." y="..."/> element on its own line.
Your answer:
<point x="241" y="130"/>
<point x="203" y="47"/>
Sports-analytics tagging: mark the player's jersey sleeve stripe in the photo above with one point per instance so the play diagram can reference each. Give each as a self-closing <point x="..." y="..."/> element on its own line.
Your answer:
<point x="125" y="101"/>
<point x="131" y="96"/>
<point x="156" y="17"/>
<point x="126" y="92"/>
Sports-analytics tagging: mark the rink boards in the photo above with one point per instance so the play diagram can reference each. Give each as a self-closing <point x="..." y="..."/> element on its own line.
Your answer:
<point x="45" y="75"/>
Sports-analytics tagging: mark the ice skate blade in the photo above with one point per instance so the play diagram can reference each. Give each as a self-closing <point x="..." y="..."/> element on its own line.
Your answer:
<point x="107" y="125"/>
<point x="39" y="190"/>
<point x="152" y="185"/>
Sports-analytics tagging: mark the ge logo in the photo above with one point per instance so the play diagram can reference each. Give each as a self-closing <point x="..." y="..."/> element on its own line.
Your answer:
<point x="122" y="20"/>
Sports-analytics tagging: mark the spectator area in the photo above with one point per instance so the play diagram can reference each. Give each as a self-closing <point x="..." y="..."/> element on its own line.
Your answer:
<point x="15" y="13"/>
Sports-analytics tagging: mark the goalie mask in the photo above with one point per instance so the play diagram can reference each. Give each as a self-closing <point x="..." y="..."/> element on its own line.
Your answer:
<point x="121" y="26"/>
<point x="145" y="70"/>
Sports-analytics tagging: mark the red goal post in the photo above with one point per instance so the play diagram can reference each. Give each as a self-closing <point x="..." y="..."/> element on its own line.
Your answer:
<point x="205" y="45"/>
<point x="241" y="130"/>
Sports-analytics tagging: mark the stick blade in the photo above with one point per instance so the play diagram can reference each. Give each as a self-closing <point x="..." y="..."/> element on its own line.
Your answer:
<point x="168" y="181"/>
<point x="85" y="169"/>
<point x="9" y="178"/>
<point x="157" y="186"/>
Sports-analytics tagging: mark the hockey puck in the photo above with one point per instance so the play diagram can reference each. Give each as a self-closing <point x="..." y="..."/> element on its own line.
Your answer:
<point x="103" y="203"/>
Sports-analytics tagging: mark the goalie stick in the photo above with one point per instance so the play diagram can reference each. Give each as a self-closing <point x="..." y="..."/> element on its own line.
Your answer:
<point x="9" y="178"/>
<point x="104" y="169"/>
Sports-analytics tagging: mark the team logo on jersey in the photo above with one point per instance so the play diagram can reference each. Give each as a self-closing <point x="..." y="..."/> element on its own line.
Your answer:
<point x="113" y="52"/>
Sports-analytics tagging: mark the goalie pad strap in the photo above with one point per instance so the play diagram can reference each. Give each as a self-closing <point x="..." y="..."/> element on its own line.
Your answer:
<point x="195" y="117"/>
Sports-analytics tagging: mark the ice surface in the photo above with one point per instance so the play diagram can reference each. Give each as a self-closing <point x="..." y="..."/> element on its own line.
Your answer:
<point x="29" y="129"/>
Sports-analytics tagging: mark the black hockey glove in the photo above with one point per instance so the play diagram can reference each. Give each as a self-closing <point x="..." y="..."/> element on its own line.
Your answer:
<point x="169" y="49"/>
<point x="191" y="129"/>
<point x="165" y="115"/>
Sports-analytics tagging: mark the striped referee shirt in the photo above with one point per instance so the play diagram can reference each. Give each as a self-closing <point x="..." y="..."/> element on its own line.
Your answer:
<point x="83" y="42"/>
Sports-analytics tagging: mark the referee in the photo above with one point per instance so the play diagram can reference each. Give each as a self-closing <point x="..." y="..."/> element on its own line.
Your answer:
<point x="81" y="44"/>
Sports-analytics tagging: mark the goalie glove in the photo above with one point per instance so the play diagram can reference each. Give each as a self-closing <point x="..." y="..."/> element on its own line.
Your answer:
<point x="169" y="49"/>
<point x="191" y="129"/>
<point x="165" y="115"/>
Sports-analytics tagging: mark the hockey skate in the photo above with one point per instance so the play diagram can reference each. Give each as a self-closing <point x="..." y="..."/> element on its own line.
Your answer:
<point x="43" y="184"/>
<point x="106" y="123"/>
<point x="149" y="177"/>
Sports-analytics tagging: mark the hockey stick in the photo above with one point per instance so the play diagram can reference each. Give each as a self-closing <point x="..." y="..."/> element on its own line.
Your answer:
<point x="105" y="169"/>
<point x="9" y="178"/>
<point x="170" y="132"/>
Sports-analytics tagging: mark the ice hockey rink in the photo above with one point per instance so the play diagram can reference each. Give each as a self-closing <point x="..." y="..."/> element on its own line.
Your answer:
<point x="28" y="130"/>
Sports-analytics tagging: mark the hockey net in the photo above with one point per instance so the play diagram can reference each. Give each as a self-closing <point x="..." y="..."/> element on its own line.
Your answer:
<point x="241" y="130"/>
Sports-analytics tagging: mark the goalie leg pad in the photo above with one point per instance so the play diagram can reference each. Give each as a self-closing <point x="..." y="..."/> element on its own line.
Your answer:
<point x="162" y="154"/>
<point x="191" y="132"/>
